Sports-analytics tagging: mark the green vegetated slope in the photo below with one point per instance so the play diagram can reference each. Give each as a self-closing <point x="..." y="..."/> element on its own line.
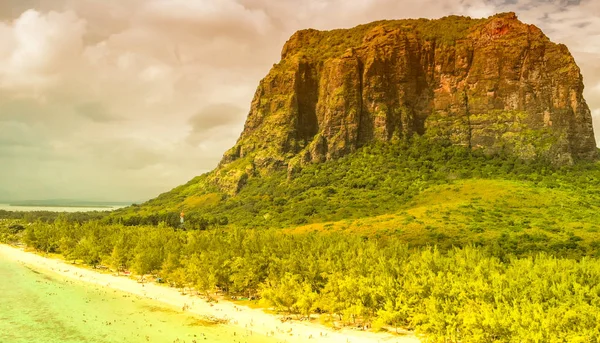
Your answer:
<point x="416" y="191"/>
<point x="513" y="216"/>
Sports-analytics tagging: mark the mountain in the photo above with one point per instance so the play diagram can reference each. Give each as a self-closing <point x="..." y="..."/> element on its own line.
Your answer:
<point x="494" y="84"/>
<point x="357" y="122"/>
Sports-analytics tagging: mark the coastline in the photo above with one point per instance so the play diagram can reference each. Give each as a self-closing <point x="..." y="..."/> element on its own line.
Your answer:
<point x="251" y="320"/>
<point x="67" y="206"/>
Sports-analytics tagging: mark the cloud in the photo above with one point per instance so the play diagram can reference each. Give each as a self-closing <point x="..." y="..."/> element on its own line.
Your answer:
<point x="37" y="48"/>
<point x="215" y="122"/>
<point x="16" y="135"/>
<point x="123" y="154"/>
<point x="95" y="111"/>
<point x="208" y="19"/>
<point x="127" y="99"/>
<point x="216" y="115"/>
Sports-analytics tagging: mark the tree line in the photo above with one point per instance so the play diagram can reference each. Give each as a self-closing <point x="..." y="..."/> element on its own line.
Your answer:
<point x="457" y="295"/>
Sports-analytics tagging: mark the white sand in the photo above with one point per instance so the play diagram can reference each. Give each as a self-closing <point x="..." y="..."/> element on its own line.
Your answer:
<point x="252" y="320"/>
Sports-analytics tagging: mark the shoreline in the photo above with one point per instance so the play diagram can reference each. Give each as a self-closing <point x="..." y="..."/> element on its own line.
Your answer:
<point x="66" y="206"/>
<point x="246" y="318"/>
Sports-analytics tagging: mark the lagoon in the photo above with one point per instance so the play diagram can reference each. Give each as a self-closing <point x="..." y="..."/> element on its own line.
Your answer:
<point x="40" y="306"/>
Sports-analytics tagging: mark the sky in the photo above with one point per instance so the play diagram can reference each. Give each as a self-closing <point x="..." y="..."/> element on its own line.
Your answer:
<point x="125" y="99"/>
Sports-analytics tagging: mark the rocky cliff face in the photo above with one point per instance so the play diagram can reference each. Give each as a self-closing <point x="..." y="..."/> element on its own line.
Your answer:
<point x="495" y="84"/>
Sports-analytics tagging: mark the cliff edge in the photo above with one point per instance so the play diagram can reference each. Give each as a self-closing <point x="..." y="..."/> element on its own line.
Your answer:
<point x="495" y="84"/>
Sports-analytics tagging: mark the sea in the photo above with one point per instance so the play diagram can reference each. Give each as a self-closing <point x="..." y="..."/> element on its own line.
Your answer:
<point x="8" y="207"/>
<point x="42" y="307"/>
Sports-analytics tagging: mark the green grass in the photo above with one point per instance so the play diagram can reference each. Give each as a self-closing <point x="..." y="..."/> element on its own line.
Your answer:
<point x="523" y="217"/>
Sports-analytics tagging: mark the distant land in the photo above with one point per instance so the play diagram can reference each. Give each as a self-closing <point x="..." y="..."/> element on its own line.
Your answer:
<point x="69" y="203"/>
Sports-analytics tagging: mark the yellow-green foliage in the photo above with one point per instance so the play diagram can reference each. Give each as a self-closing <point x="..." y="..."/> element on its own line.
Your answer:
<point x="204" y="200"/>
<point x="324" y="45"/>
<point x="498" y="213"/>
<point x="419" y="191"/>
<point x="461" y="295"/>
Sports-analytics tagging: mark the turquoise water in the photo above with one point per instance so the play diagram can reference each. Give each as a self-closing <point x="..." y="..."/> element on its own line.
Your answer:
<point x="7" y="207"/>
<point x="46" y="308"/>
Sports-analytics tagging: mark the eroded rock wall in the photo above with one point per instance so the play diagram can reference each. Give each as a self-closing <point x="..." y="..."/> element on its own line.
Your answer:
<point x="495" y="84"/>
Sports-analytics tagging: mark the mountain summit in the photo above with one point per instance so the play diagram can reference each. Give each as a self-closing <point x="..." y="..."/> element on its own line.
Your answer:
<point x="494" y="84"/>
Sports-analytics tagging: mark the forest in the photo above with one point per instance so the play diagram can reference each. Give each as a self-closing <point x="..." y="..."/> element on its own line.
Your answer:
<point x="457" y="295"/>
<point x="455" y="245"/>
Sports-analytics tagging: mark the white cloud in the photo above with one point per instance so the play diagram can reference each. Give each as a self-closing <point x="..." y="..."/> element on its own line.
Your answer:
<point x="124" y="99"/>
<point x="222" y="18"/>
<point x="41" y="47"/>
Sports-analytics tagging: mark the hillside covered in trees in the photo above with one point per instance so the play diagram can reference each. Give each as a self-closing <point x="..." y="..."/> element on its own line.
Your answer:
<point x="417" y="191"/>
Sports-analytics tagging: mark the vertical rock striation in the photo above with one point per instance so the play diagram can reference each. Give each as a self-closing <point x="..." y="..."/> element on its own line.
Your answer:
<point x="495" y="84"/>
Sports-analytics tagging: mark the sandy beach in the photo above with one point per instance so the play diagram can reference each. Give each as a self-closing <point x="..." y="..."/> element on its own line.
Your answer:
<point x="247" y="319"/>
